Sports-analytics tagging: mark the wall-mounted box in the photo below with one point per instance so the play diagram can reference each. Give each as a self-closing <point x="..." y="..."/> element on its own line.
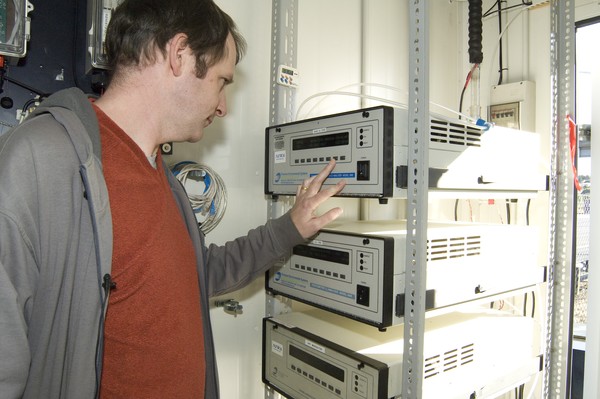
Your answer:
<point x="14" y="27"/>
<point x="512" y="105"/>
<point x="99" y="14"/>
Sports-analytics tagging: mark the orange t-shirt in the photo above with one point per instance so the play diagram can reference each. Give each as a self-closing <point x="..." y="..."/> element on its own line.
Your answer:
<point x="153" y="337"/>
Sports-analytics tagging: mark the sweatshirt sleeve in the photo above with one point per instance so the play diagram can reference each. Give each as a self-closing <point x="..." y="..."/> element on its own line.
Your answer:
<point x="238" y="262"/>
<point x="15" y="293"/>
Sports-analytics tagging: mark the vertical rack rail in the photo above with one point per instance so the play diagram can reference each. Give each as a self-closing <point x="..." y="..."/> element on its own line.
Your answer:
<point x="284" y="37"/>
<point x="560" y="283"/>
<point x="416" y="221"/>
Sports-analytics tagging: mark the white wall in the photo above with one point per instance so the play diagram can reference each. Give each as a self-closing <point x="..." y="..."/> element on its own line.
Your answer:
<point x="234" y="148"/>
<point x="329" y="37"/>
<point x="332" y="36"/>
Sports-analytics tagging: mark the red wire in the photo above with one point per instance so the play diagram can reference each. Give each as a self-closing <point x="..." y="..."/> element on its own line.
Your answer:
<point x="470" y="74"/>
<point x="573" y="146"/>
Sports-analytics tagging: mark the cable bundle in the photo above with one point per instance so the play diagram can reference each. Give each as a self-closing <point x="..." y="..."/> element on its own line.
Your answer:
<point x="211" y="204"/>
<point x="475" y="32"/>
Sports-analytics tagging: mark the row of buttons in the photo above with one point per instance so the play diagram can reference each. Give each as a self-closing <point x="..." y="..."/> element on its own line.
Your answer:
<point x="505" y="114"/>
<point x="316" y="379"/>
<point x="320" y="159"/>
<point x="320" y="271"/>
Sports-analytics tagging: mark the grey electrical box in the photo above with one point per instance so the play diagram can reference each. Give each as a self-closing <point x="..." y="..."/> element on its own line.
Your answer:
<point x="512" y="105"/>
<point x="99" y="14"/>
<point x="14" y="27"/>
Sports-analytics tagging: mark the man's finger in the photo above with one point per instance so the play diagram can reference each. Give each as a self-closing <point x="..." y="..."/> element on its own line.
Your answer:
<point x="328" y="217"/>
<point x="328" y="192"/>
<point x="324" y="173"/>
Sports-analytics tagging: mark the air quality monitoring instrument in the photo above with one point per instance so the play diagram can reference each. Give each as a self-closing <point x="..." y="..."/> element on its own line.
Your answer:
<point x="357" y="269"/>
<point x="370" y="147"/>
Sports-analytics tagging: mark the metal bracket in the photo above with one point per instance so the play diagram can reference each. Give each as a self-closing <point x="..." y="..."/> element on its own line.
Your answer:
<point x="230" y="306"/>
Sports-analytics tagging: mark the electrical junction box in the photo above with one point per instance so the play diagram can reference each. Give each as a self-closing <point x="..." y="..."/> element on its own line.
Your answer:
<point x="14" y="27"/>
<point x="357" y="269"/>
<point x="287" y="76"/>
<point x="370" y="147"/>
<point x="99" y="15"/>
<point x="314" y="354"/>
<point x="512" y="105"/>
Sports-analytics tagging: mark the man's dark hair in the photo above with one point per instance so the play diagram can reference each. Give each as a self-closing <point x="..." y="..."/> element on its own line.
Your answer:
<point x="139" y="27"/>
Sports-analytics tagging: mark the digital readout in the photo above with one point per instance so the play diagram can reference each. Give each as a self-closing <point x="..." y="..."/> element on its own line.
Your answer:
<point x="326" y="140"/>
<point x="329" y="255"/>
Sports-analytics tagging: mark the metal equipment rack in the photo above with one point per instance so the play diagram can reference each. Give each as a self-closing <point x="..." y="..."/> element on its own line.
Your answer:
<point x="559" y="285"/>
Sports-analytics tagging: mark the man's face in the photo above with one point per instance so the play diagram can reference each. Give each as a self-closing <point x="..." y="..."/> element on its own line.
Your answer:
<point x="200" y="100"/>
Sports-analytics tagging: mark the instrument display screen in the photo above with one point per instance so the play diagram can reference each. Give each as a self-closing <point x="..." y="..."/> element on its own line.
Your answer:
<point x="327" y="140"/>
<point x="326" y="254"/>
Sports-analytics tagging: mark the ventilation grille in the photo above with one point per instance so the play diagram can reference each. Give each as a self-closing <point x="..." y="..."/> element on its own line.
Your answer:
<point x="453" y="247"/>
<point x="449" y="360"/>
<point x="455" y="133"/>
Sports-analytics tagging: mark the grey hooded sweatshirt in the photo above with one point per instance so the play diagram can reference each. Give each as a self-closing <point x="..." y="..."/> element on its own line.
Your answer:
<point x="56" y="251"/>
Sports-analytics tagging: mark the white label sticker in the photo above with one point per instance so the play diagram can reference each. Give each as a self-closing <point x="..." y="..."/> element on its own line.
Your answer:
<point x="280" y="156"/>
<point x="317" y="347"/>
<point x="277" y="348"/>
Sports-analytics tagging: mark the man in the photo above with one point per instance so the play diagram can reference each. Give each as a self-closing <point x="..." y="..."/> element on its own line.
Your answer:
<point x="104" y="275"/>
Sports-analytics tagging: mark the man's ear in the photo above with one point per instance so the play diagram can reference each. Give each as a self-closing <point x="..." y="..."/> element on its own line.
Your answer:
<point x="177" y="48"/>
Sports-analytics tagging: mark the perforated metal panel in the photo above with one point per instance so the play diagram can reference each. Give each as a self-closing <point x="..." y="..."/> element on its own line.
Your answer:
<point x="560" y="283"/>
<point x="416" y="258"/>
<point x="284" y="37"/>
